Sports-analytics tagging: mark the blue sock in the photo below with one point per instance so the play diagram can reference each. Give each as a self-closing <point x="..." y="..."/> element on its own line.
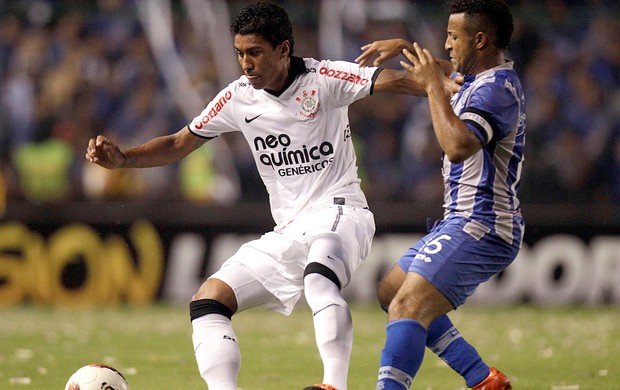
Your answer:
<point x="402" y="354"/>
<point x="446" y="341"/>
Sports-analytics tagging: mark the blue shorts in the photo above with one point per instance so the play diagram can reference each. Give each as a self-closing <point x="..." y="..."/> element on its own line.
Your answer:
<point x="457" y="256"/>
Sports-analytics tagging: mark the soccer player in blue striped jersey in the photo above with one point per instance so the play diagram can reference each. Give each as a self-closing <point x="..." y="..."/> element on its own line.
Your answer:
<point x="481" y="130"/>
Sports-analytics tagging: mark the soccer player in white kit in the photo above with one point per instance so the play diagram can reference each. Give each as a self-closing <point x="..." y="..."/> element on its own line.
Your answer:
<point x="293" y="113"/>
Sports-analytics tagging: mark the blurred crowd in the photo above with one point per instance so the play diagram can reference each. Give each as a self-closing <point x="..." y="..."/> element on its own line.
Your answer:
<point x="132" y="70"/>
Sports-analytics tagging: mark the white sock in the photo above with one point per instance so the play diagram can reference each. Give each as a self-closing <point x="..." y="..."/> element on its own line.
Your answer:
<point x="217" y="352"/>
<point x="333" y="328"/>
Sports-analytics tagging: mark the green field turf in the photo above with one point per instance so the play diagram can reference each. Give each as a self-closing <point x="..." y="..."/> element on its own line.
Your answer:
<point x="539" y="348"/>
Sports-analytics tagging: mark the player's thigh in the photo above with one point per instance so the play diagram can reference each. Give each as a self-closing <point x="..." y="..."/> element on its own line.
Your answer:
<point x="248" y="290"/>
<point x="418" y="299"/>
<point x="341" y="240"/>
<point x="389" y="285"/>
<point x="218" y="290"/>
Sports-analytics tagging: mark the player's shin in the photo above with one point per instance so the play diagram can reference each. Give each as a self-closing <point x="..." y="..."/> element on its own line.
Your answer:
<point x="215" y="346"/>
<point x="402" y="354"/>
<point x="333" y="328"/>
<point x="446" y="341"/>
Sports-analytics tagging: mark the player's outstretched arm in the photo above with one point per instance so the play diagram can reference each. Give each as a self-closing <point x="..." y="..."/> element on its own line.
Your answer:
<point x="402" y="82"/>
<point x="408" y="82"/>
<point x="153" y="153"/>
<point x="384" y="50"/>
<point x="398" y="81"/>
<point x="457" y="142"/>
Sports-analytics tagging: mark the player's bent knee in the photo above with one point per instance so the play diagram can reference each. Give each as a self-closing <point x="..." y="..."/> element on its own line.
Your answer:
<point x="217" y="290"/>
<point x="202" y="307"/>
<point x="321" y="269"/>
<point x="383" y="298"/>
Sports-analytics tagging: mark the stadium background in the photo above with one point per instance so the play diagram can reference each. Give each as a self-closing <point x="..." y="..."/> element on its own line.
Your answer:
<point x="136" y="69"/>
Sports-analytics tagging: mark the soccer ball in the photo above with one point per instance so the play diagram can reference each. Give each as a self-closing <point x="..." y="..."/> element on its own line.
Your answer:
<point x="97" y="377"/>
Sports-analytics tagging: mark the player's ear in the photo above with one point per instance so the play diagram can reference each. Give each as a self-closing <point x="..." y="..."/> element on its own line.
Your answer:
<point x="285" y="48"/>
<point x="482" y="40"/>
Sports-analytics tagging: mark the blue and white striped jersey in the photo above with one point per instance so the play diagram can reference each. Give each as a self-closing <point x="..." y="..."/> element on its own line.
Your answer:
<point x="484" y="187"/>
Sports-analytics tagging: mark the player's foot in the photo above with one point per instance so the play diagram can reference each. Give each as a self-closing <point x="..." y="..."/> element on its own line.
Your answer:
<point x="495" y="381"/>
<point x="320" y="387"/>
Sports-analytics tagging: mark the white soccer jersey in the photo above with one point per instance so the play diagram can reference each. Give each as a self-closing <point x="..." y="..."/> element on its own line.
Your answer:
<point x="300" y="140"/>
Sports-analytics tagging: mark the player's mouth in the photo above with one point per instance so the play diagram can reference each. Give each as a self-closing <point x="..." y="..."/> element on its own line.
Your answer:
<point x="256" y="81"/>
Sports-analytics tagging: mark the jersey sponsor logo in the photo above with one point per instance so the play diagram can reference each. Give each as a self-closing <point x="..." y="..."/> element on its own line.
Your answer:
<point x="309" y="104"/>
<point x="249" y="120"/>
<point x="275" y="153"/>
<point x="344" y="76"/>
<point x="198" y="124"/>
<point x="305" y="169"/>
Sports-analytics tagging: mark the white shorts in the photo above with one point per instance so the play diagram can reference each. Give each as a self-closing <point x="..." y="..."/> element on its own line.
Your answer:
<point x="269" y="271"/>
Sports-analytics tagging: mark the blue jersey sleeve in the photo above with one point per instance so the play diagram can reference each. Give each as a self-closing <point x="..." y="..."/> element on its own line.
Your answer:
<point x="493" y="110"/>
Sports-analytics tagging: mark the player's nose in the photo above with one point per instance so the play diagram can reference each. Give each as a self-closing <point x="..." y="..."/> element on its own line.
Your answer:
<point x="247" y="65"/>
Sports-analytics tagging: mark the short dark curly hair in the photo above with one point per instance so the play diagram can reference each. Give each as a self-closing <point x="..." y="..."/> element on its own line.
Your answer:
<point x="268" y="20"/>
<point x="496" y="16"/>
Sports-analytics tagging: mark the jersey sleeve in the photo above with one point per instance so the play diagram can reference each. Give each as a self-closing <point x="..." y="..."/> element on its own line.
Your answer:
<point x="492" y="112"/>
<point x="217" y="117"/>
<point x="346" y="81"/>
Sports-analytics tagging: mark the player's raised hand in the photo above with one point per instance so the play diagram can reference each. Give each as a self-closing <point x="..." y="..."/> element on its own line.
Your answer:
<point x="385" y="49"/>
<point x="453" y="80"/>
<point x="429" y="72"/>
<point x="102" y="151"/>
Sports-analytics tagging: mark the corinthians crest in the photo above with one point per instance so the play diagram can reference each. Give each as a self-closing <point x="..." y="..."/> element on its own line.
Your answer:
<point x="309" y="104"/>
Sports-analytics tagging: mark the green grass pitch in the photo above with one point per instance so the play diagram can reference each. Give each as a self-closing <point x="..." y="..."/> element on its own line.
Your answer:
<point x="539" y="348"/>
